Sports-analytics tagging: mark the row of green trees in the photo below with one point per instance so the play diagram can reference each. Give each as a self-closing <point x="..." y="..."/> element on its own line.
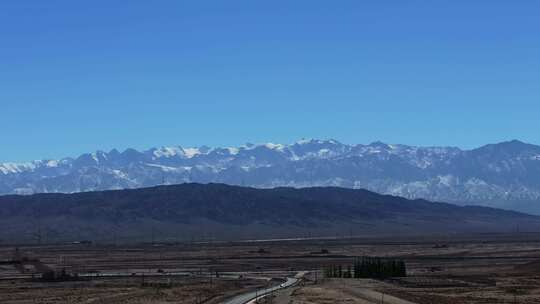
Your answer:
<point x="368" y="267"/>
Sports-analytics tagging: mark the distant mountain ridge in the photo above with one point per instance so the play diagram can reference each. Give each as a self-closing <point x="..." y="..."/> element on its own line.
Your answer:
<point x="218" y="211"/>
<point x="503" y="175"/>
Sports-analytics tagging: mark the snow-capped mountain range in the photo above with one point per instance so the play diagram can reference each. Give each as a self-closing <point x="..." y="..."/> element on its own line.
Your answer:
<point x="501" y="175"/>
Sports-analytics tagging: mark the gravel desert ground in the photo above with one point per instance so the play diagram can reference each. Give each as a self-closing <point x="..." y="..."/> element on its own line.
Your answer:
<point x="488" y="268"/>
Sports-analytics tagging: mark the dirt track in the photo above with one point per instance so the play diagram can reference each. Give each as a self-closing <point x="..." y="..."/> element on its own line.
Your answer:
<point x="343" y="291"/>
<point x="484" y="269"/>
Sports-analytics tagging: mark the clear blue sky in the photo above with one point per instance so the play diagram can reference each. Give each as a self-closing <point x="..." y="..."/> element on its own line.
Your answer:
<point x="78" y="76"/>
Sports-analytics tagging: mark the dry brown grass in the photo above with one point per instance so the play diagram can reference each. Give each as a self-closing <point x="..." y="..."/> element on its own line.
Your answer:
<point x="484" y="269"/>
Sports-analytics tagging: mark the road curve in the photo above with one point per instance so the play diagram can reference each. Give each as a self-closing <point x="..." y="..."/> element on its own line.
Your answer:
<point x="248" y="297"/>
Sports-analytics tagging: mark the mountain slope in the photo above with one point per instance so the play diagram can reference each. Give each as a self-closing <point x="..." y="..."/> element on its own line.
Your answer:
<point x="503" y="175"/>
<point x="231" y="212"/>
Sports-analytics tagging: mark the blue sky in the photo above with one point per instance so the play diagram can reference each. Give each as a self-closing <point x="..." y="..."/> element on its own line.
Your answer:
<point x="78" y="76"/>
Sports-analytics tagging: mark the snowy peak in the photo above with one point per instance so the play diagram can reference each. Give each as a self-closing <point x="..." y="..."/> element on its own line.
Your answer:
<point x="298" y="151"/>
<point x="167" y="152"/>
<point x="316" y="148"/>
<point x="498" y="174"/>
<point x="13" y="168"/>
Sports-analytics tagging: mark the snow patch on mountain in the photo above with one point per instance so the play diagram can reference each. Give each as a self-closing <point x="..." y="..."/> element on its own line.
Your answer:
<point x="501" y="172"/>
<point x="13" y="168"/>
<point x="192" y="152"/>
<point x="168" y="152"/>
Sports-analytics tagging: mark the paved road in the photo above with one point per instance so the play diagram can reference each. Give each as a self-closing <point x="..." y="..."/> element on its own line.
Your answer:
<point x="248" y="297"/>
